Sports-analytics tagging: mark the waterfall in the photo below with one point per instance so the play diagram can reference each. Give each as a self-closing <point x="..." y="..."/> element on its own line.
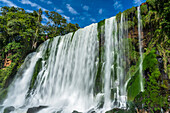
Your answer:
<point x="66" y="78"/>
<point x="62" y="73"/>
<point x="18" y="89"/>
<point x="115" y="61"/>
<point x="109" y="60"/>
<point x="140" y="47"/>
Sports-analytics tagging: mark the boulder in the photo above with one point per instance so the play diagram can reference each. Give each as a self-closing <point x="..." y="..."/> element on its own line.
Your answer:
<point x="36" y="109"/>
<point x="9" y="109"/>
<point x="118" y="110"/>
<point x="76" y="111"/>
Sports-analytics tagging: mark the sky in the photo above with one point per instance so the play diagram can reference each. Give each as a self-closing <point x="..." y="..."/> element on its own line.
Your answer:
<point x="83" y="12"/>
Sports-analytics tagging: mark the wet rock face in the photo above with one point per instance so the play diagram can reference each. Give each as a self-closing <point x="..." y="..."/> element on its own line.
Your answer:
<point x="9" y="109"/>
<point x="131" y="108"/>
<point x="36" y="109"/>
<point x="76" y="112"/>
<point x="90" y="111"/>
<point x="117" y="110"/>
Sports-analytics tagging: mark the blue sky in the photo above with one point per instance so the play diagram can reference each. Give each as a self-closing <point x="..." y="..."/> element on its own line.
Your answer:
<point x="83" y="12"/>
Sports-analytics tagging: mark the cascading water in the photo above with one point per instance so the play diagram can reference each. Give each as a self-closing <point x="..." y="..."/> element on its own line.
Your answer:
<point x="109" y="61"/>
<point x="62" y="73"/>
<point x="122" y="51"/>
<point x="18" y="89"/>
<point x="140" y="47"/>
<point x="115" y="63"/>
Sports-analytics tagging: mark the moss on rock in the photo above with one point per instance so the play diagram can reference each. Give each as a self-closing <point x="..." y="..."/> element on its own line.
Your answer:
<point x="37" y="69"/>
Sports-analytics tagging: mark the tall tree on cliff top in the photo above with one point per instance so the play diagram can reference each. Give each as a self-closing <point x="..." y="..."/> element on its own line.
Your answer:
<point x="20" y="26"/>
<point x="57" y="25"/>
<point x="26" y="28"/>
<point x="38" y="25"/>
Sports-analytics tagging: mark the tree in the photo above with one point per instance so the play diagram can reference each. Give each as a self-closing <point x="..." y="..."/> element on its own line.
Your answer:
<point x="38" y="25"/>
<point x="26" y="28"/>
<point x="71" y="27"/>
<point x="57" y="25"/>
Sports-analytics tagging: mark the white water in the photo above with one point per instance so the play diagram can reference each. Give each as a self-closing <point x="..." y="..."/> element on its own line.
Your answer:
<point x="69" y="64"/>
<point x="140" y="47"/>
<point x="66" y="80"/>
<point x="115" y="47"/>
<point x="18" y="89"/>
<point x="122" y="98"/>
<point x="109" y="61"/>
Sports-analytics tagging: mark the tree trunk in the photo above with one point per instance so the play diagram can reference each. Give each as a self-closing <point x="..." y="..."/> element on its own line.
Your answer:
<point x="34" y="44"/>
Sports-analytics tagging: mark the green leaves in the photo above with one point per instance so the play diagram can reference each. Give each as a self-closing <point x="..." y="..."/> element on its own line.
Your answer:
<point x="144" y="9"/>
<point x="152" y="97"/>
<point x="16" y="25"/>
<point x="21" y="32"/>
<point x="15" y="49"/>
<point x="151" y="3"/>
<point x="58" y="25"/>
<point x="150" y="60"/>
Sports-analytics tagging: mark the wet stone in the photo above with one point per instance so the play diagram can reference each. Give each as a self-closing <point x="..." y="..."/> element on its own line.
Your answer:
<point x="76" y="112"/>
<point x="36" y="109"/>
<point x="9" y="109"/>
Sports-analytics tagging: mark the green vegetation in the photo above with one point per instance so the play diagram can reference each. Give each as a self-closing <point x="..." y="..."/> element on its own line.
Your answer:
<point x="3" y="94"/>
<point x="99" y="75"/>
<point x="37" y="69"/>
<point x="156" y="26"/>
<point x="21" y="33"/>
<point x="134" y="87"/>
<point x="59" y="26"/>
<point x="155" y="95"/>
<point x="156" y="53"/>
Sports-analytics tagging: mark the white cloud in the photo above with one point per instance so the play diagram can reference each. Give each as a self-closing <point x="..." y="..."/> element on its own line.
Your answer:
<point x="45" y="18"/>
<point x="86" y="7"/>
<point x="92" y="19"/>
<point x="9" y="3"/>
<point x="100" y="11"/>
<point x="66" y="17"/>
<point x="71" y="10"/>
<point x="43" y="23"/>
<point x="28" y="2"/>
<point x="86" y="14"/>
<point x="82" y="18"/>
<point x="49" y="2"/>
<point x="30" y="11"/>
<point x="46" y="2"/>
<point x="58" y="10"/>
<point x="138" y="2"/>
<point x="117" y="5"/>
